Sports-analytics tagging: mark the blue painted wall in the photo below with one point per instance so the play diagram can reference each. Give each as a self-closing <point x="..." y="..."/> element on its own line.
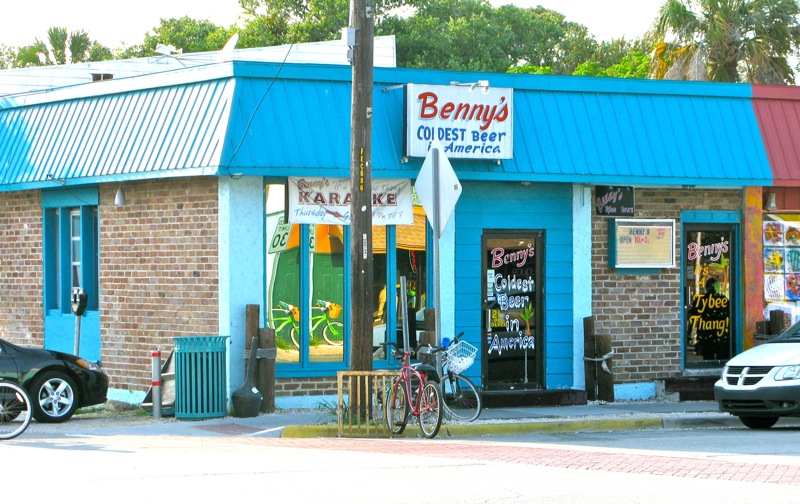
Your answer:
<point x="508" y="205"/>
<point x="59" y="333"/>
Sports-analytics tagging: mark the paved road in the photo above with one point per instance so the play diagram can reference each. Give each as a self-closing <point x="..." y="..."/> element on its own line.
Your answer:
<point x="240" y="463"/>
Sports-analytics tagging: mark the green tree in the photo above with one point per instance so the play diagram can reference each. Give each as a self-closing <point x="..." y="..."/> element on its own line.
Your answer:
<point x="445" y="34"/>
<point x="8" y="56"/>
<point x="99" y="52"/>
<point x="61" y="48"/>
<point x="264" y="30"/>
<point x="634" y="65"/>
<point x="33" y="55"/>
<point x="454" y="35"/>
<point x="306" y="20"/>
<point x="186" y="34"/>
<point x="726" y="40"/>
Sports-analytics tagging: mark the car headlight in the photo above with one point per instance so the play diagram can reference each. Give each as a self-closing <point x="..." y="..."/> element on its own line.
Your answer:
<point x="87" y="364"/>
<point x="787" y="373"/>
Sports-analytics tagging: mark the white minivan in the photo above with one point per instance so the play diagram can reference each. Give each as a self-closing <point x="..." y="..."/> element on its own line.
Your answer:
<point x="762" y="384"/>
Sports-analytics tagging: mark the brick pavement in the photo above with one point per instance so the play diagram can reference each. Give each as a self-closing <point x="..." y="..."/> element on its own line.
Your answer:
<point x="591" y="459"/>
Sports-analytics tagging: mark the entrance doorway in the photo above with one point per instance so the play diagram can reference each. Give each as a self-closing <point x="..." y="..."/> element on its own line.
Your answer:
<point x="513" y="348"/>
<point x="710" y="295"/>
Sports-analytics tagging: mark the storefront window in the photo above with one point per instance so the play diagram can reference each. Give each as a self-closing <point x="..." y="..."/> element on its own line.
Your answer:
<point x="709" y="258"/>
<point x="514" y="342"/>
<point x="405" y="246"/>
<point x="781" y="240"/>
<point x="283" y="277"/>
<point x="307" y="268"/>
<point x="326" y="257"/>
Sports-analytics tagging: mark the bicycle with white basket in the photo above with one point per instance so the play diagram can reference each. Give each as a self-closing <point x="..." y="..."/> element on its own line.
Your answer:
<point x="462" y="400"/>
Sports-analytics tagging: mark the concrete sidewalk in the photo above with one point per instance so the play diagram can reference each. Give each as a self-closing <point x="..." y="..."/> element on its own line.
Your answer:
<point x="592" y="417"/>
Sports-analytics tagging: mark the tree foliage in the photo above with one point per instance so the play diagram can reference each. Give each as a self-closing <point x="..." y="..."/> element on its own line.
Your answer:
<point x="634" y="65"/>
<point x="437" y="34"/>
<point x="60" y="48"/>
<point x="726" y="40"/>
<point x="7" y="56"/>
<point x="450" y="34"/>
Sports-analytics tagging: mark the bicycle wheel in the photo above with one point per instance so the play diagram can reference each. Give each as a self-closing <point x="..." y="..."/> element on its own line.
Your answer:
<point x="397" y="408"/>
<point x="293" y="334"/>
<point x="333" y="333"/>
<point x="15" y="410"/>
<point x="462" y="401"/>
<point x="430" y="410"/>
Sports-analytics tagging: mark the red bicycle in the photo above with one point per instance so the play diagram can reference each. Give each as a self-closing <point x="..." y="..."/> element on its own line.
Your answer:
<point x="412" y="394"/>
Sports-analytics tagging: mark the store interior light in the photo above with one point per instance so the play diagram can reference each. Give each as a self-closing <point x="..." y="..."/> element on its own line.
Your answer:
<point x="770" y="205"/>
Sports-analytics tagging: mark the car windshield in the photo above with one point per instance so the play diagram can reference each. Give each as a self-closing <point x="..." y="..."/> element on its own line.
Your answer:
<point x="790" y="335"/>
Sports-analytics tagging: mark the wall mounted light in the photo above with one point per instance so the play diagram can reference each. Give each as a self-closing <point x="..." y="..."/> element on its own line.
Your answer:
<point x="61" y="181"/>
<point x="770" y="205"/>
<point x="483" y="84"/>
<point x="119" y="199"/>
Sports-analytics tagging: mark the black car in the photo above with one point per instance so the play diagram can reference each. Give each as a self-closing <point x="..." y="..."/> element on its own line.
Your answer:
<point x="58" y="383"/>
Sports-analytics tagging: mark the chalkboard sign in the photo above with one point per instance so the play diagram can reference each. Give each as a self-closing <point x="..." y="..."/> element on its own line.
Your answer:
<point x="642" y="243"/>
<point x="614" y="200"/>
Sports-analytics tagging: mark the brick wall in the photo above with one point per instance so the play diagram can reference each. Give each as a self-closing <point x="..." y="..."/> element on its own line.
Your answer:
<point x="642" y="313"/>
<point x="21" y="268"/>
<point x="159" y="273"/>
<point x="305" y="386"/>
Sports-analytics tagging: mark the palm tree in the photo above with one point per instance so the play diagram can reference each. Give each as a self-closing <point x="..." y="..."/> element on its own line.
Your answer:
<point x="61" y="48"/>
<point x="726" y="40"/>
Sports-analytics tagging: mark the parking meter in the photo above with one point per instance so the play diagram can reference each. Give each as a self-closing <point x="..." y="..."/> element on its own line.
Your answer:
<point x="79" y="301"/>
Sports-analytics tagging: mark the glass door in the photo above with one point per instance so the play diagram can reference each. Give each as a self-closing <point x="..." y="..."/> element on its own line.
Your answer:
<point x="709" y="294"/>
<point x="513" y="348"/>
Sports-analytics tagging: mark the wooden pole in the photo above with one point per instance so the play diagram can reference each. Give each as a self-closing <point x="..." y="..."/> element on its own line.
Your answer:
<point x="590" y="353"/>
<point x="266" y="370"/>
<point x="361" y="187"/>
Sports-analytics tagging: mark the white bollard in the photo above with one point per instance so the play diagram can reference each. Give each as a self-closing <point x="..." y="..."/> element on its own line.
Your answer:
<point x="156" y="383"/>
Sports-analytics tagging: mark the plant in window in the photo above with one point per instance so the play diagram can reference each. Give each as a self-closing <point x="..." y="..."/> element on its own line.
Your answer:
<point x="527" y="315"/>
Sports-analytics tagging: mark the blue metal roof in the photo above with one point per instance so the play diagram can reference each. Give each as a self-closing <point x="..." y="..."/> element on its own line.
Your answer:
<point x="136" y="134"/>
<point x="273" y="119"/>
<point x="566" y="129"/>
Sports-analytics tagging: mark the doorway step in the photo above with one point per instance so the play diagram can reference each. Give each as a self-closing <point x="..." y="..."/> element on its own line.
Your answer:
<point x="517" y="398"/>
<point x="691" y="388"/>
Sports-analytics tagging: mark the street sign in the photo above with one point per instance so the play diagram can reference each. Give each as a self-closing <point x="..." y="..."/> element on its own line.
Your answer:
<point x="280" y="238"/>
<point x="449" y="188"/>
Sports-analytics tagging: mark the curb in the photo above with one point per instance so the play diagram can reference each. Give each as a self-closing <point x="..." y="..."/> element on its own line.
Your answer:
<point x="494" y="429"/>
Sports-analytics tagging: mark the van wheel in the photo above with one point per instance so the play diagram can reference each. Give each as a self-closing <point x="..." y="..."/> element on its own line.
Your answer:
<point x="758" y="422"/>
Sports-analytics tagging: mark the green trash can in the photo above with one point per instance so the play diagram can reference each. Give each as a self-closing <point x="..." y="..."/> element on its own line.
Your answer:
<point x="201" y="377"/>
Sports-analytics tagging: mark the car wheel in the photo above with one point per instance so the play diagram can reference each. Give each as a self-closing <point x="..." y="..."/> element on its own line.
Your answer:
<point x="54" y="396"/>
<point x="758" y="422"/>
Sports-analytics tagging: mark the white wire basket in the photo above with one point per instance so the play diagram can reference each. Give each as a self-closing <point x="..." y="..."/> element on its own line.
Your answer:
<point x="460" y="356"/>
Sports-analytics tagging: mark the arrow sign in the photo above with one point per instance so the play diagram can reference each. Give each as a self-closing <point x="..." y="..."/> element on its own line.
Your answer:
<point x="442" y="196"/>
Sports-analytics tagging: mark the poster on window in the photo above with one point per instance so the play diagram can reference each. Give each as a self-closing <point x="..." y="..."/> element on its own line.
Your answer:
<point x="773" y="234"/>
<point x="773" y="287"/>
<point x="324" y="200"/>
<point x="791" y="259"/>
<point x="791" y="235"/>
<point x="773" y="260"/>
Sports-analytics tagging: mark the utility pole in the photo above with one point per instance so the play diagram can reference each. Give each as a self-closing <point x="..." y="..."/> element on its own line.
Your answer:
<point x="362" y="23"/>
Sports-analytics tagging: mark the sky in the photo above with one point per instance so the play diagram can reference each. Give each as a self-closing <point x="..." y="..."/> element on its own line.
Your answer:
<point x="114" y="23"/>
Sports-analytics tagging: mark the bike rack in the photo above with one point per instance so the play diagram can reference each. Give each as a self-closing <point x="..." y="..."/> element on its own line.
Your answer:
<point x="362" y="391"/>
